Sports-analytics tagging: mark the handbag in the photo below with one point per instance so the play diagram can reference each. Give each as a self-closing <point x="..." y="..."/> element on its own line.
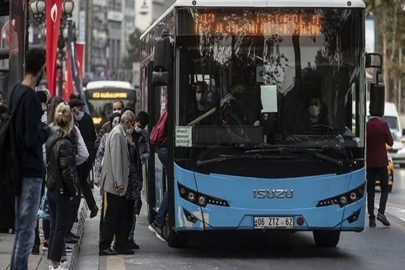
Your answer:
<point x="44" y="211"/>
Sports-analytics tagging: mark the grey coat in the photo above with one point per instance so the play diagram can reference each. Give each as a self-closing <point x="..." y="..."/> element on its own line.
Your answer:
<point x="115" y="168"/>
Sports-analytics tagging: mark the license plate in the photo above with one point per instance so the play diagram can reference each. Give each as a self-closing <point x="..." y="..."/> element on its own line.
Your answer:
<point x="273" y="222"/>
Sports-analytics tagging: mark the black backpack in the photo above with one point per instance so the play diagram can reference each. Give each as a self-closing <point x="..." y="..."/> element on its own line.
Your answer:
<point x="10" y="175"/>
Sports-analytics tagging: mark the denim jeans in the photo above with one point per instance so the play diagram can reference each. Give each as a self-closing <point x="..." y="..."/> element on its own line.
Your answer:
<point x="26" y="209"/>
<point x="161" y="214"/>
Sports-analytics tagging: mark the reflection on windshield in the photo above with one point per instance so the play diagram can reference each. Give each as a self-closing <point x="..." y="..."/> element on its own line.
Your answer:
<point x="229" y="58"/>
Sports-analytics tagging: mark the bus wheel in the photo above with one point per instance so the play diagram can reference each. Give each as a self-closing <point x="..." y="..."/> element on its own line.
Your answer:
<point x="177" y="239"/>
<point x="326" y="238"/>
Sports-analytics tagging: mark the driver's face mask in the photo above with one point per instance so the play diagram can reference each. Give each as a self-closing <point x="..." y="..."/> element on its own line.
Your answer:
<point x="314" y="110"/>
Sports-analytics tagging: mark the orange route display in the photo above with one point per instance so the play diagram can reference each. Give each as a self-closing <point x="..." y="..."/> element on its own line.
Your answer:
<point x="258" y="24"/>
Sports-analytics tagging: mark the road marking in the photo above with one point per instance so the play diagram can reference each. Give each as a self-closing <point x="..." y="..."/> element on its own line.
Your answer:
<point x="115" y="263"/>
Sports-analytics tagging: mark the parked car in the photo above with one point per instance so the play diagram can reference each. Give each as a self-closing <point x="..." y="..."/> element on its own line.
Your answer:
<point x="397" y="151"/>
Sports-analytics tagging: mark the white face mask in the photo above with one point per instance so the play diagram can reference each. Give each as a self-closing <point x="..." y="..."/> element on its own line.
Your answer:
<point x="198" y="96"/>
<point x="138" y="129"/>
<point x="79" y="116"/>
<point x="130" y="130"/>
<point x="314" y="111"/>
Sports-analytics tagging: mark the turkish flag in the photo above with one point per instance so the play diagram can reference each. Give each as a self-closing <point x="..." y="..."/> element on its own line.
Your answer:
<point x="53" y="18"/>
<point x="69" y="87"/>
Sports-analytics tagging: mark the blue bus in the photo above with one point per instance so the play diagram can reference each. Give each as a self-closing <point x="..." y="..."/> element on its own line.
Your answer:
<point x="260" y="97"/>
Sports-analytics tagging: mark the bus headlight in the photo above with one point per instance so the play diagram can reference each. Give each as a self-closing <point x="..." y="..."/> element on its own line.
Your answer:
<point x="201" y="200"/>
<point x="198" y="198"/>
<point x="344" y="199"/>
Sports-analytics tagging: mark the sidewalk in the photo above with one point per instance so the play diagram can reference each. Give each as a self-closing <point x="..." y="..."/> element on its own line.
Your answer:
<point x="40" y="262"/>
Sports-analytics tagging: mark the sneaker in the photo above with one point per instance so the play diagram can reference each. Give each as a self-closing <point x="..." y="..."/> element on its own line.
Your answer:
<point x="383" y="219"/>
<point x="107" y="252"/>
<point x="63" y="259"/>
<point x="94" y="212"/>
<point x="69" y="249"/>
<point x="372" y="223"/>
<point x="35" y="250"/>
<point x="125" y="251"/>
<point x="157" y="231"/>
<point x="70" y="234"/>
<point x="71" y="240"/>
<point x="45" y="246"/>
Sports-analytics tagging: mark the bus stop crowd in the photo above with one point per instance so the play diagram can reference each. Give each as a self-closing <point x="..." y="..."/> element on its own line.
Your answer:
<point x="57" y="147"/>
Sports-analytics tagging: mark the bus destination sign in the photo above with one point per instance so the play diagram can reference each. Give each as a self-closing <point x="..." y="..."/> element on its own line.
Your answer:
<point x="260" y="24"/>
<point x="109" y="95"/>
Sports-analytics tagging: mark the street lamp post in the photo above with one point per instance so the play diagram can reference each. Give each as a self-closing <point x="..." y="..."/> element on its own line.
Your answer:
<point x="38" y="10"/>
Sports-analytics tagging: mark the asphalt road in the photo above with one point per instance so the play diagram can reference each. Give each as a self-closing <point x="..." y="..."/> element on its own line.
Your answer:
<point x="374" y="248"/>
<point x="397" y="196"/>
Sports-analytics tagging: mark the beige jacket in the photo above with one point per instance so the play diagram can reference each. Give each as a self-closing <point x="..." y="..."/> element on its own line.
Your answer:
<point x="115" y="169"/>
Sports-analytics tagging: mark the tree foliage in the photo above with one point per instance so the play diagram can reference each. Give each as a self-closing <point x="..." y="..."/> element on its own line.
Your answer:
<point x="132" y="48"/>
<point x="391" y="31"/>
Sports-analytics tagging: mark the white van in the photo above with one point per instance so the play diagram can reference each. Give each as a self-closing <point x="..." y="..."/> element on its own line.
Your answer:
<point x="392" y="118"/>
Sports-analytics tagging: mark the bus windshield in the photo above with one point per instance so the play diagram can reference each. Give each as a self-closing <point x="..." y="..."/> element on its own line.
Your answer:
<point x="101" y="101"/>
<point x="252" y="76"/>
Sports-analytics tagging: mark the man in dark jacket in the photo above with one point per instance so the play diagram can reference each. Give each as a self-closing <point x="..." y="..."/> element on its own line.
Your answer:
<point x="30" y="134"/>
<point x="378" y="135"/>
<point x="88" y="131"/>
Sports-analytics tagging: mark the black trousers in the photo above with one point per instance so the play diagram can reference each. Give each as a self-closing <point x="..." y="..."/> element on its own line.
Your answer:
<point x="372" y="173"/>
<point x="130" y="217"/>
<point x="115" y="222"/>
<point x="83" y="172"/>
<point x="60" y="207"/>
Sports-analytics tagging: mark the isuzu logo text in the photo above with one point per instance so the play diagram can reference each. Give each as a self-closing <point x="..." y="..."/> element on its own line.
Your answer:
<point x="273" y="193"/>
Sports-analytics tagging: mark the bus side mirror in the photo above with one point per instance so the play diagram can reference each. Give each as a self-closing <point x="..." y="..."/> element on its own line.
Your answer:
<point x="160" y="78"/>
<point x="373" y="60"/>
<point x="377" y="99"/>
<point x="161" y="61"/>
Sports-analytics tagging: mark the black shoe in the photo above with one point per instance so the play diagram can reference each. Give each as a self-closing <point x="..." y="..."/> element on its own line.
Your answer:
<point x="372" y="223"/>
<point x="107" y="252"/>
<point x="125" y="251"/>
<point x="71" y="240"/>
<point x="35" y="250"/>
<point x="94" y="212"/>
<point x="383" y="219"/>
<point x="132" y="245"/>
<point x="72" y="235"/>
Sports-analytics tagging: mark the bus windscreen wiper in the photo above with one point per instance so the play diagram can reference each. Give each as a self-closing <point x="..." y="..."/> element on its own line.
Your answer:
<point x="313" y="151"/>
<point x="222" y="158"/>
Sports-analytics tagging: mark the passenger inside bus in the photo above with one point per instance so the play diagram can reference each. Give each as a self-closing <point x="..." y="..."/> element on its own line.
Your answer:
<point x="317" y="112"/>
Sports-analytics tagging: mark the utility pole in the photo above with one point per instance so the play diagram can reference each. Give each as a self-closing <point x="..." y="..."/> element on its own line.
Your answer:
<point x="400" y="82"/>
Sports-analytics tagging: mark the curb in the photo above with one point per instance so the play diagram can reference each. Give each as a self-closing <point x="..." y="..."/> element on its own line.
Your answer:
<point x="80" y="230"/>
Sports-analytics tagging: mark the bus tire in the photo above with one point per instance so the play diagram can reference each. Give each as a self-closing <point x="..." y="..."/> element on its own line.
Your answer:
<point x="177" y="239"/>
<point x="326" y="238"/>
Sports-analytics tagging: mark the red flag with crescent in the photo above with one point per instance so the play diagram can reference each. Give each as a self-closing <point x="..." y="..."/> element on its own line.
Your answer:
<point x="53" y="18"/>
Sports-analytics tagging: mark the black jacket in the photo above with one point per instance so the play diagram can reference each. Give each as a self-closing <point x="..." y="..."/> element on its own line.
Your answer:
<point x="60" y="155"/>
<point x="30" y="132"/>
<point x="88" y="131"/>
